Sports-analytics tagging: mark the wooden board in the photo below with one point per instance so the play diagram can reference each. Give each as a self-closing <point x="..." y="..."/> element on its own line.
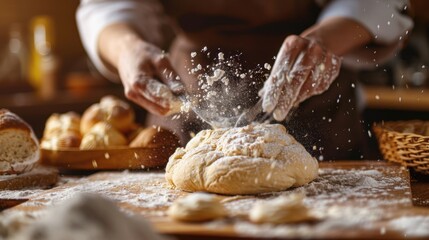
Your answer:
<point x="107" y="159"/>
<point x="16" y="189"/>
<point x="353" y="199"/>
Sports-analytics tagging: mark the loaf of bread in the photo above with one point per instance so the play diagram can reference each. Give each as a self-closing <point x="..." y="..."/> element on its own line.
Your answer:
<point x="102" y="135"/>
<point x="155" y="137"/>
<point x="62" y="131"/>
<point x="112" y="110"/>
<point x="19" y="148"/>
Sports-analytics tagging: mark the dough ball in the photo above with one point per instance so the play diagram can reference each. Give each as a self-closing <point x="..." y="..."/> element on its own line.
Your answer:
<point x="197" y="207"/>
<point x="284" y="209"/>
<point x="248" y="160"/>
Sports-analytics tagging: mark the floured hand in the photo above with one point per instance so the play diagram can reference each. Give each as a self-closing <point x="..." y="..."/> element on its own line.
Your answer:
<point x="149" y="79"/>
<point x="303" y="68"/>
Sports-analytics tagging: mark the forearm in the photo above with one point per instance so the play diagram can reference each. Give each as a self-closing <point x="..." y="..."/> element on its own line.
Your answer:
<point x="114" y="39"/>
<point x="339" y="35"/>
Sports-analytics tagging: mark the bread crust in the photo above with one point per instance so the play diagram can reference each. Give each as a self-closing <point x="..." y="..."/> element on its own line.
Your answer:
<point x="155" y="137"/>
<point x="9" y="121"/>
<point x="101" y="136"/>
<point x="62" y="131"/>
<point x="112" y="110"/>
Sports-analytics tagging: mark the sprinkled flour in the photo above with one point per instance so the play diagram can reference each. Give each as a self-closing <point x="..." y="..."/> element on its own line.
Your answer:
<point x="341" y="198"/>
<point x="211" y="99"/>
<point x="411" y="226"/>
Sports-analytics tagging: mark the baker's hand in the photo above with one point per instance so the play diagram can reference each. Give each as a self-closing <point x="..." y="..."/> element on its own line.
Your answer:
<point x="149" y="78"/>
<point x="303" y="68"/>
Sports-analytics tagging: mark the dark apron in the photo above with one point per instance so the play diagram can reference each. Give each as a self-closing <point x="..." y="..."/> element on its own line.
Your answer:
<point x="327" y="125"/>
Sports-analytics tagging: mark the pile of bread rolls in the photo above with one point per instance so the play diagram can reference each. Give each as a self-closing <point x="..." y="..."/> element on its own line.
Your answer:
<point x="19" y="147"/>
<point x="107" y="124"/>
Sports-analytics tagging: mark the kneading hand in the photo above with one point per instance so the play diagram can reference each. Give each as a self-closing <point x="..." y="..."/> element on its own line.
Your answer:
<point x="149" y="78"/>
<point x="303" y="68"/>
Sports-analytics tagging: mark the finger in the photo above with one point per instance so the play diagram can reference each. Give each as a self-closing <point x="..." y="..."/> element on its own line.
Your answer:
<point x="167" y="74"/>
<point x="288" y="53"/>
<point x="304" y="63"/>
<point x="282" y="109"/>
<point x="272" y="91"/>
<point x="331" y="69"/>
<point x="152" y="107"/>
<point x="315" y="77"/>
<point x="155" y="92"/>
<point x="287" y="56"/>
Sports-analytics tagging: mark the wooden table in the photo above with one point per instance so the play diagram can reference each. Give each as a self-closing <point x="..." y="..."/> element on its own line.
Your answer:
<point x="419" y="187"/>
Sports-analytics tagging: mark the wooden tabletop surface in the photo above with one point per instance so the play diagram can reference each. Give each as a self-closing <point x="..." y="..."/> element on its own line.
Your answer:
<point x="419" y="187"/>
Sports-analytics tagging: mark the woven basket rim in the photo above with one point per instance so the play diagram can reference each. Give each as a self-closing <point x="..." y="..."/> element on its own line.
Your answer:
<point x="389" y="126"/>
<point x="407" y="148"/>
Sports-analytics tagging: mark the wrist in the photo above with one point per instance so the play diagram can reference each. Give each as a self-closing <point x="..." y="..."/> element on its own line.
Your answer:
<point x="339" y="35"/>
<point x="115" y="40"/>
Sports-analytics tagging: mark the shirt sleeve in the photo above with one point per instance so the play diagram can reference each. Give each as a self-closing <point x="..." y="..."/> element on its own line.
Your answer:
<point x="94" y="15"/>
<point x="384" y="19"/>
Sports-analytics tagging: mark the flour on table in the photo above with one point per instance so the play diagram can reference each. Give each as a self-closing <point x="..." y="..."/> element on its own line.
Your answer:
<point x="328" y="198"/>
<point x="86" y="216"/>
<point x="411" y="226"/>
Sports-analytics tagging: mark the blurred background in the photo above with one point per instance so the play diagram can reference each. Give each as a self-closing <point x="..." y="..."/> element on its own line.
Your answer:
<point x="44" y="69"/>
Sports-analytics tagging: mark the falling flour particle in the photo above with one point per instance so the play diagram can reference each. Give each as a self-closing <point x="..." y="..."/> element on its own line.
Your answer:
<point x="220" y="56"/>
<point x="217" y="75"/>
<point x="225" y="80"/>
<point x="267" y="66"/>
<point x="185" y="107"/>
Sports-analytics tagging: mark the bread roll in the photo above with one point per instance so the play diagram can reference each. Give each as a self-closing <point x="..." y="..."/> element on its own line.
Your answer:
<point x="65" y="139"/>
<point x="155" y="137"/>
<point x="112" y="110"/>
<point x="60" y="123"/>
<point x="62" y="131"/>
<point x="102" y="136"/>
<point x="19" y="148"/>
<point x="135" y="132"/>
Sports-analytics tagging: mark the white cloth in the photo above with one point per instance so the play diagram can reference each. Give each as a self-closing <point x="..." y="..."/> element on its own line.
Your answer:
<point x="382" y="18"/>
<point x="95" y="15"/>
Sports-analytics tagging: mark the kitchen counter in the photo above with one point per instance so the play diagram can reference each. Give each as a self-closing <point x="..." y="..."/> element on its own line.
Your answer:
<point x="387" y="98"/>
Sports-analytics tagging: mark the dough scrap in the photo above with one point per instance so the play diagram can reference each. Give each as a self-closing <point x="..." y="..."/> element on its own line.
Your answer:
<point x="197" y="207"/>
<point x="249" y="160"/>
<point x="284" y="209"/>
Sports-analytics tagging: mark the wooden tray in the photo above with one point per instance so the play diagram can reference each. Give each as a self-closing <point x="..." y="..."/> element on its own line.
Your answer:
<point x="107" y="159"/>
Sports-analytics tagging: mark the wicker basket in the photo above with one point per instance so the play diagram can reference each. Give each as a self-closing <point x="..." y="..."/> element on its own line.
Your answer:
<point x="405" y="142"/>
